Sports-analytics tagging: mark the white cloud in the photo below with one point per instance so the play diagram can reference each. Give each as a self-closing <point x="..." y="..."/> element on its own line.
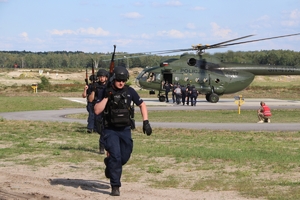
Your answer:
<point x="138" y="4"/>
<point x="173" y="3"/>
<point x="264" y="18"/>
<point x="87" y="31"/>
<point x="92" y="42"/>
<point x="39" y="40"/>
<point x="295" y="14"/>
<point x="263" y="21"/>
<point x="198" y="8"/>
<point x="24" y="35"/>
<point x="145" y="36"/>
<point x="172" y="33"/>
<point x="178" y="34"/>
<point x="169" y="3"/>
<point x="221" y="32"/>
<point x="132" y="15"/>
<point x="62" y="32"/>
<point x="293" y="18"/>
<point x="93" y="31"/>
<point x="289" y="23"/>
<point x="121" y="42"/>
<point x="191" y="26"/>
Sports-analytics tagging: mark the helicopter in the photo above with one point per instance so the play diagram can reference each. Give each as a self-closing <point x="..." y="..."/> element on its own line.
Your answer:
<point x="212" y="79"/>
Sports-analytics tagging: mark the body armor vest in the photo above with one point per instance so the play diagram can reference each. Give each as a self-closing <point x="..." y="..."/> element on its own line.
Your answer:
<point x="117" y="111"/>
<point x="99" y="87"/>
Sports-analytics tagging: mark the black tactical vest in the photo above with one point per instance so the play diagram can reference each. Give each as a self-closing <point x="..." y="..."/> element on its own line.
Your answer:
<point x="117" y="110"/>
<point x="99" y="88"/>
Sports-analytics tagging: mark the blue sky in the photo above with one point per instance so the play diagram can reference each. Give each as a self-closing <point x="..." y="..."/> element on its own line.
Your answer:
<point x="142" y="26"/>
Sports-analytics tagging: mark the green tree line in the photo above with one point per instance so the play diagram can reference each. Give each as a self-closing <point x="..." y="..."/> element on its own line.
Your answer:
<point x="78" y="59"/>
<point x="272" y="57"/>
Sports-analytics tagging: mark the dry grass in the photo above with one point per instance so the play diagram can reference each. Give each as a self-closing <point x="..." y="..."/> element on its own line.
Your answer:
<point x="18" y="83"/>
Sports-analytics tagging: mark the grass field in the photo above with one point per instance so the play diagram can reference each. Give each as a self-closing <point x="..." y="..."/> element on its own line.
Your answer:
<point x="255" y="164"/>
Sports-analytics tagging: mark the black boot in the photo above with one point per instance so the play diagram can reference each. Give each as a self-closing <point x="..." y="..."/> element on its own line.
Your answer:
<point x="115" y="191"/>
<point x="101" y="149"/>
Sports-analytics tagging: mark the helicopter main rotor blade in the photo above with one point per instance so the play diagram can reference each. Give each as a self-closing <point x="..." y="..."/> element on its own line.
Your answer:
<point x="197" y="47"/>
<point x="200" y="47"/>
<point x="168" y="51"/>
<point x="217" y="44"/>
<point x="270" y="38"/>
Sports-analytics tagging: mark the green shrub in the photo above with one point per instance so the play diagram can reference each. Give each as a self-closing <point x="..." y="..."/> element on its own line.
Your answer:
<point x="45" y="84"/>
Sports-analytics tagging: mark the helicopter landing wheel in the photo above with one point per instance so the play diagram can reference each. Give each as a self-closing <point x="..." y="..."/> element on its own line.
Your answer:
<point x="213" y="98"/>
<point x="162" y="98"/>
<point x="207" y="97"/>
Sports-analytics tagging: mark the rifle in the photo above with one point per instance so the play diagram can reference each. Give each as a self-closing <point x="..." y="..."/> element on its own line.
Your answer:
<point x="93" y="75"/>
<point x="86" y="77"/>
<point x="111" y="67"/>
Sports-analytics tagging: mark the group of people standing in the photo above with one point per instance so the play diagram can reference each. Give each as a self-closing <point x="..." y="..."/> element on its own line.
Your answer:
<point x="188" y="94"/>
<point x="110" y="104"/>
<point x="181" y="93"/>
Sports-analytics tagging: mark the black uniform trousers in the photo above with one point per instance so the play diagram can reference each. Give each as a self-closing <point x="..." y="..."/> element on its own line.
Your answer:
<point x="119" y="144"/>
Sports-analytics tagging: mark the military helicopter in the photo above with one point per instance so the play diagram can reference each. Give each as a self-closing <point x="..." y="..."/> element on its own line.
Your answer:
<point x="212" y="79"/>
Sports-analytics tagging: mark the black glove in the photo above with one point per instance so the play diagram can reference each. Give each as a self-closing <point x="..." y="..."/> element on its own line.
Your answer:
<point x="94" y="87"/>
<point x="108" y="92"/>
<point x="146" y="127"/>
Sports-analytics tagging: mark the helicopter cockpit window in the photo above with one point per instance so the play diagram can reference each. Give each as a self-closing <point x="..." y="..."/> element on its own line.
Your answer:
<point x="151" y="77"/>
<point x="158" y="77"/>
<point x="144" y="76"/>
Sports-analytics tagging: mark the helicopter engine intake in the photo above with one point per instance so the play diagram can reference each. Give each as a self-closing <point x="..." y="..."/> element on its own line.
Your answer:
<point x="191" y="61"/>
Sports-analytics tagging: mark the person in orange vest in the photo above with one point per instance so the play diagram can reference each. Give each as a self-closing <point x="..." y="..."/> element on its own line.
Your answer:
<point x="264" y="113"/>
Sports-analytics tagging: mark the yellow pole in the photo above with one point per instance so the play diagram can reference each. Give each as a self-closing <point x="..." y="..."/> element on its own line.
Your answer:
<point x="239" y="101"/>
<point x="34" y="87"/>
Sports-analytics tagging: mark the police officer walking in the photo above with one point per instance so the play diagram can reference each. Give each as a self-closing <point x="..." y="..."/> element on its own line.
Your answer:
<point x="91" y="126"/>
<point x="97" y="95"/>
<point x="189" y="88"/>
<point x="183" y="94"/>
<point x="193" y="95"/>
<point x="167" y="87"/>
<point x="174" y="86"/>
<point x="118" y="123"/>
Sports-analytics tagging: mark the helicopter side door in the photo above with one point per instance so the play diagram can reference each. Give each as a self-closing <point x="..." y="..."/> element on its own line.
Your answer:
<point x="168" y="77"/>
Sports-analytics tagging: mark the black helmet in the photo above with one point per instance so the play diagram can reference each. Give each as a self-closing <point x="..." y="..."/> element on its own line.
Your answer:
<point x="121" y="73"/>
<point x="93" y="77"/>
<point x="102" y="72"/>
